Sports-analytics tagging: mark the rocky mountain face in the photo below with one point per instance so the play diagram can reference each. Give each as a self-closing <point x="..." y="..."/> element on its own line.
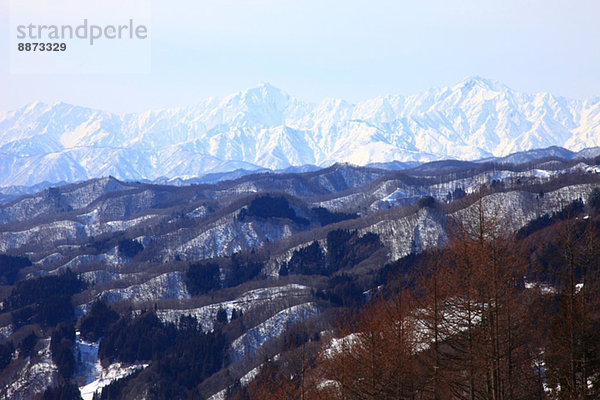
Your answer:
<point x="263" y="127"/>
<point x="229" y="266"/>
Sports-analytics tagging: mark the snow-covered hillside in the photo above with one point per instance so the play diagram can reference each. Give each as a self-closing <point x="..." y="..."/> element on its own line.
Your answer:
<point x="265" y="127"/>
<point x="238" y="257"/>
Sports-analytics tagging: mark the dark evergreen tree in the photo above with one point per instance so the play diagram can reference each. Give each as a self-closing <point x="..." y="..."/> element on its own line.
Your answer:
<point x="346" y="249"/>
<point x="45" y="300"/>
<point x="271" y="207"/>
<point x="327" y="217"/>
<point x="10" y="267"/>
<point x="68" y="391"/>
<point x="426" y="202"/>
<point x="343" y="291"/>
<point x="28" y="344"/>
<point x="458" y="193"/>
<point x="94" y="325"/>
<point x="143" y="338"/>
<point x="243" y="268"/>
<point x="594" y="200"/>
<point x="222" y="316"/>
<point x="202" y="277"/>
<point x="6" y="353"/>
<point x="181" y="358"/>
<point x="309" y="260"/>
<point x="129" y="248"/>
<point x="283" y="270"/>
<point x="62" y="345"/>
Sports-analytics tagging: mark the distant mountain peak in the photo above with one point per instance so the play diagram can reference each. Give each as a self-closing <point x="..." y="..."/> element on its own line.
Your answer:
<point x="267" y="86"/>
<point x="264" y="127"/>
<point x="480" y="82"/>
<point x="266" y="90"/>
<point x="35" y="105"/>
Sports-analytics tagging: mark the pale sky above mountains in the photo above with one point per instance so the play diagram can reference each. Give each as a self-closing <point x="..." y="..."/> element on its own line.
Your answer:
<point x="324" y="48"/>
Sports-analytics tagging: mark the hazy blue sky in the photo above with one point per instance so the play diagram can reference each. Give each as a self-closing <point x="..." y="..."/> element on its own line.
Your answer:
<point x="314" y="49"/>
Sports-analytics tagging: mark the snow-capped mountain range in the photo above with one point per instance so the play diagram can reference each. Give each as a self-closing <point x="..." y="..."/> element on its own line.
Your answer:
<point x="265" y="127"/>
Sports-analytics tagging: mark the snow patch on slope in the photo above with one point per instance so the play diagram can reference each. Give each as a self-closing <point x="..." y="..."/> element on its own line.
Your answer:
<point x="165" y="286"/>
<point x="270" y="329"/>
<point x="206" y="315"/>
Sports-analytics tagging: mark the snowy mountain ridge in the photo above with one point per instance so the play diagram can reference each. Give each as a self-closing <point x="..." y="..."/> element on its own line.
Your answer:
<point x="263" y="127"/>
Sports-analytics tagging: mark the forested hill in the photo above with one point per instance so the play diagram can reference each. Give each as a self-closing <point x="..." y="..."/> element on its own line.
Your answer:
<point x="468" y="274"/>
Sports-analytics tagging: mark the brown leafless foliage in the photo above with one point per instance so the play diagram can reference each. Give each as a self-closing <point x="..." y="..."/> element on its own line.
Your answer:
<point x="376" y="362"/>
<point x="463" y="333"/>
<point x="573" y="354"/>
